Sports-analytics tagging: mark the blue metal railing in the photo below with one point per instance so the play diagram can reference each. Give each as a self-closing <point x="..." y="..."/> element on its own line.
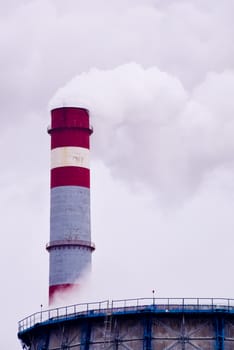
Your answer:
<point x="126" y="306"/>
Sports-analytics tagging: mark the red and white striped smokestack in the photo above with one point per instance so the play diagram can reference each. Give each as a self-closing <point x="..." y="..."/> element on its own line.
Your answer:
<point x="70" y="244"/>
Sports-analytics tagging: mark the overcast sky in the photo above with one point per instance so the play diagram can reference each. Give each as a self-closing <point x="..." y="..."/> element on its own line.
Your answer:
<point x="158" y="78"/>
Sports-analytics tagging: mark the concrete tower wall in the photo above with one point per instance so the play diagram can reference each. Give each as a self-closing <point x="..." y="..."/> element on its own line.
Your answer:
<point x="70" y="213"/>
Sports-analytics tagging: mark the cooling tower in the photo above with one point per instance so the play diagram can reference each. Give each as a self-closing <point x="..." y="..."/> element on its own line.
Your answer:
<point x="141" y="324"/>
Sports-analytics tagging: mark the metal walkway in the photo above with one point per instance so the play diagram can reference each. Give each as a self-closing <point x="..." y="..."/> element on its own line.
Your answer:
<point x="127" y="306"/>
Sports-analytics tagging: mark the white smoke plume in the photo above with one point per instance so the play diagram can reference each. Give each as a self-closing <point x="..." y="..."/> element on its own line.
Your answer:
<point x="151" y="131"/>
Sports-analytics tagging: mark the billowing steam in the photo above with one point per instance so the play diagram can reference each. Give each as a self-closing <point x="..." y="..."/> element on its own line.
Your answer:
<point x="151" y="131"/>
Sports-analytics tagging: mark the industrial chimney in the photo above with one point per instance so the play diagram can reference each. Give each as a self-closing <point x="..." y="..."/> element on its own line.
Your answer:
<point x="70" y="244"/>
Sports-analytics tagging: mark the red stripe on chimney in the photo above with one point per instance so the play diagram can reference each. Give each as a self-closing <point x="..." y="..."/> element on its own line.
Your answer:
<point x="70" y="137"/>
<point x="70" y="176"/>
<point x="59" y="289"/>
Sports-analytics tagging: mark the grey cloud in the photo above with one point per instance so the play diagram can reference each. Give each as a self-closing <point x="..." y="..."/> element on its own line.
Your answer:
<point x="44" y="44"/>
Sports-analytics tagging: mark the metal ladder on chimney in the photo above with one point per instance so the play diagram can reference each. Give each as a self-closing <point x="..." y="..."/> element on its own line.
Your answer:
<point x="107" y="327"/>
